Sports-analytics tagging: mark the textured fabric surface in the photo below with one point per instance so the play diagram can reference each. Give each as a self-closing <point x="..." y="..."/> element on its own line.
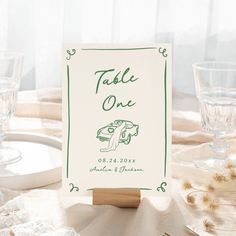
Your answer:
<point x="44" y="212"/>
<point x="41" y="212"/>
<point x="35" y="212"/>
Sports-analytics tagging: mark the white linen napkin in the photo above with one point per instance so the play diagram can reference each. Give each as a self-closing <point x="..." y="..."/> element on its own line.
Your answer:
<point x="40" y="213"/>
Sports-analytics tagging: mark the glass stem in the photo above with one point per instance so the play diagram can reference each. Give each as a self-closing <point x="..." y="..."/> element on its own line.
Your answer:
<point x="3" y="126"/>
<point x="2" y="136"/>
<point x="219" y="146"/>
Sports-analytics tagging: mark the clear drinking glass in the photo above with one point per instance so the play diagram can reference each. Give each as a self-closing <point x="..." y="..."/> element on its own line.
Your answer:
<point x="10" y="76"/>
<point x="215" y="84"/>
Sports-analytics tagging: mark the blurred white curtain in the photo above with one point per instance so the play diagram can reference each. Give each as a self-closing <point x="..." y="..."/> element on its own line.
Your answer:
<point x="34" y="27"/>
<point x="199" y="30"/>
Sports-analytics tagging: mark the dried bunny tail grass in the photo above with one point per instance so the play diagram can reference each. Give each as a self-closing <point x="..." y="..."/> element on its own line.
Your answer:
<point x="213" y="205"/>
<point x="230" y="165"/>
<point x="206" y="198"/>
<point x="187" y="185"/>
<point x="232" y="174"/>
<point x="11" y="233"/>
<point x="210" y="188"/>
<point x="208" y="225"/>
<point x="191" y="199"/>
<point x="219" y="178"/>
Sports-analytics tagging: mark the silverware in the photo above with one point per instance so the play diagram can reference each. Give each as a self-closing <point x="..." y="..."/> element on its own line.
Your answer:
<point x="196" y="231"/>
<point x="193" y="230"/>
<point x="166" y="234"/>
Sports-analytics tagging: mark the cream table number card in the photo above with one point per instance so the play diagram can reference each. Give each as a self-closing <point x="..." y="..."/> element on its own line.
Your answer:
<point x="116" y="118"/>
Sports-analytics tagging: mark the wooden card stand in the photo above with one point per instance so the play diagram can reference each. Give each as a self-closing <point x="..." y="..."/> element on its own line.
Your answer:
<point x="119" y="197"/>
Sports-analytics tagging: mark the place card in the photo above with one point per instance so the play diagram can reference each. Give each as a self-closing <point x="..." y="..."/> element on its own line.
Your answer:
<point x="117" y="118"/>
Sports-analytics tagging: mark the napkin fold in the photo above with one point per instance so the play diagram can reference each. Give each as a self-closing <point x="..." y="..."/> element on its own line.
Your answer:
<point x="40" y="212"/>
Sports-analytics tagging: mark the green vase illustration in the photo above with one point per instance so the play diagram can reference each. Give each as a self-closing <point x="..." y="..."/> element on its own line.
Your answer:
<point x="119" y="131"/>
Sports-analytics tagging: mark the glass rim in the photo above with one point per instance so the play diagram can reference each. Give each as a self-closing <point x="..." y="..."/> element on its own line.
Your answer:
<point x="202" y="65"/>
<point x="10" y="54"/>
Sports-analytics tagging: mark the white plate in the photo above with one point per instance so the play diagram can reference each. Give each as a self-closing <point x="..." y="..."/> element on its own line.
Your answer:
<point x="40" y="164"/>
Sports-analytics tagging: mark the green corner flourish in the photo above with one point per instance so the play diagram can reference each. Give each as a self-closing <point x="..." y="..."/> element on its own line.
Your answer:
<point x="73" y="187"/>
<point x="162" y="187"/>
<point x="70" y="53"/>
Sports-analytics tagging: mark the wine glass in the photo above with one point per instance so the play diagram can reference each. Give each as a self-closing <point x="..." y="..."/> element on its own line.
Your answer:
<point x="215" y="84"/>
<point x="10" y="75"/>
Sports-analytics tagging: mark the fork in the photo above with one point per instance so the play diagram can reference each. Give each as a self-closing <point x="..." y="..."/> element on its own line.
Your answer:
<point x="166" y="234"/>
<point x="190" y="230"/>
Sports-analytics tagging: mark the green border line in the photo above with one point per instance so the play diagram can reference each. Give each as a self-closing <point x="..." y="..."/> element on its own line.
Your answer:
<point x="117" y="49"/>
<point x="91" y="189"/>
<point x="68" y="97"/>
<point x="165" y="118"/>
<point x="68" y="119"/>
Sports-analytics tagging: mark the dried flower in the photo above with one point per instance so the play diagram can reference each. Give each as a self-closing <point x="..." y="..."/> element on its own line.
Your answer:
<point x="208" y="225"/>
<point x="213" y="205"/>
<point x="191" y="199"/>
<point x="187" y="185"/>
<point x="230" y="165"/>
<point x="206" y="198"/>
<point x="232" y="174"/>
<point x="210" y="188"/>
<point x="11" y="233"/>
<point x="219" y="178"/>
